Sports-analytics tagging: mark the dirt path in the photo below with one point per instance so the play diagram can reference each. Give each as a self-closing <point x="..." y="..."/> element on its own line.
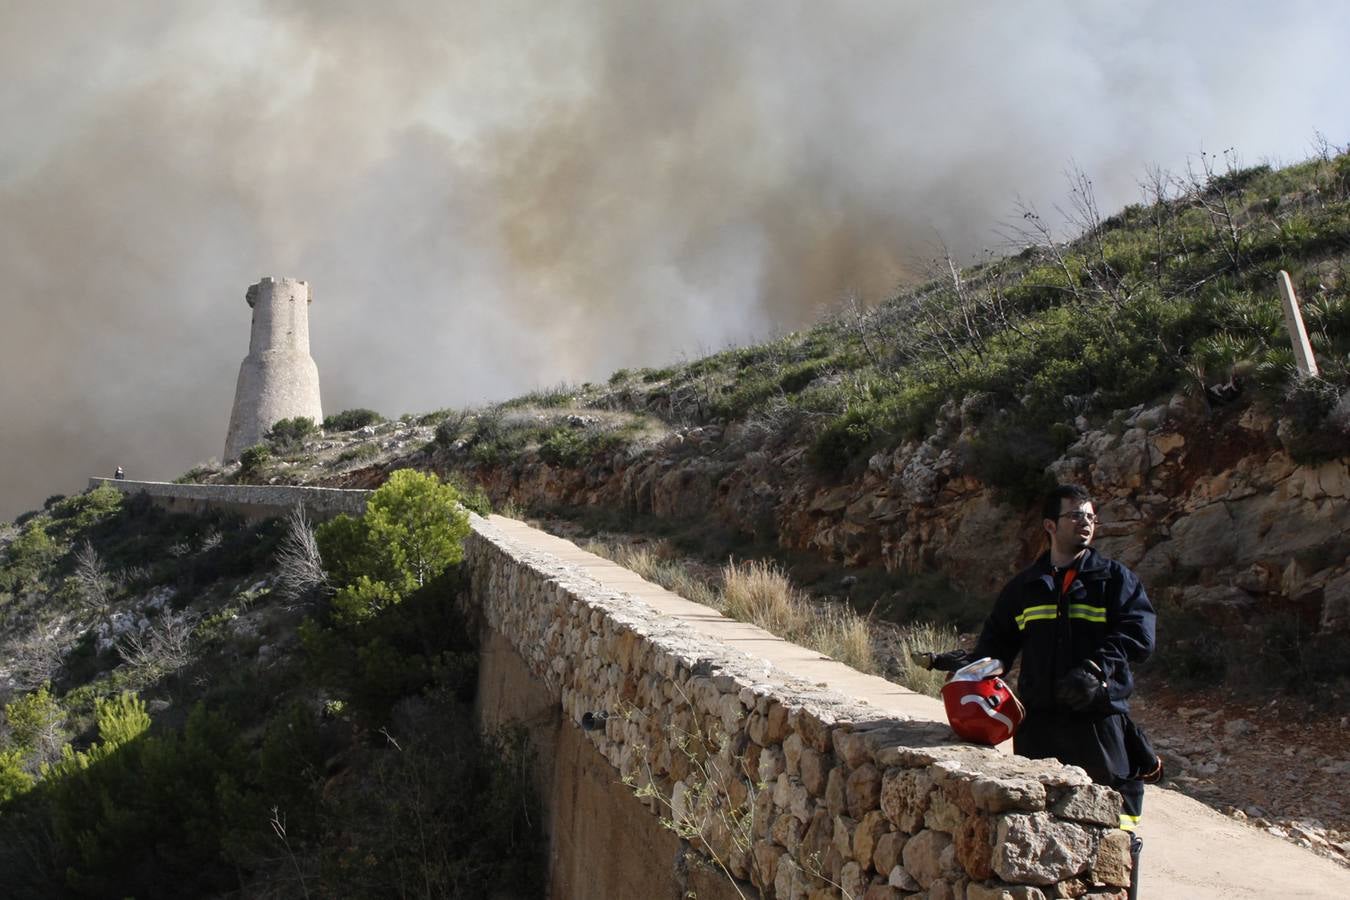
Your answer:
<point x="1279" y="766"/>
<point x="1193" y="853"/>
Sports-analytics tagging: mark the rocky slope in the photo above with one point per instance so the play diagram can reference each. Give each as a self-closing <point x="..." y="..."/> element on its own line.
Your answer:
<point x="1206" y="505"/>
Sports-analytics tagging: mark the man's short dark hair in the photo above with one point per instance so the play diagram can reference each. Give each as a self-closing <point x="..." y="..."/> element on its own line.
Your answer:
<point x="1075" y="492"/>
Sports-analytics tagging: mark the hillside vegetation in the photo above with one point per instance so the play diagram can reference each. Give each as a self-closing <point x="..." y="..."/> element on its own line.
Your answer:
<point x="1176" y="293"/>
<point x="196" y="706"/>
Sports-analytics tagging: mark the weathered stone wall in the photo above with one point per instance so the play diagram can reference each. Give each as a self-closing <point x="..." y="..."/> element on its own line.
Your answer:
<point x="251" y="501"/>
<point x="776" y="786"/>
<point x="798" y="791"/>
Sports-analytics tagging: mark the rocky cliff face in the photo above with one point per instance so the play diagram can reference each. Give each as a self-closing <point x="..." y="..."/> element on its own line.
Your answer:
<point x="1208" y="506"/>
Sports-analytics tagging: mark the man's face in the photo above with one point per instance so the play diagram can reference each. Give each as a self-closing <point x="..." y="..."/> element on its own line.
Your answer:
<point x="1072" y="531"/>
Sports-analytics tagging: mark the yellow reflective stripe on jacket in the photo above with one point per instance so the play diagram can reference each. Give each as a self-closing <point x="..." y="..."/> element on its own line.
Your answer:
<point x="1089" y="613"/>
<point x="1129" y="823"/>
<point x="1033" y="613"/>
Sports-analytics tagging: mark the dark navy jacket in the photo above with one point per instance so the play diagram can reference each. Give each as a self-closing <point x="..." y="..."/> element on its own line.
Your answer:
<point x="1104" y="616"/>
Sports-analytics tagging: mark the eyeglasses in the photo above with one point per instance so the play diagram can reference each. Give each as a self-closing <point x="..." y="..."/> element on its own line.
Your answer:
<point x="1079" y="516"/>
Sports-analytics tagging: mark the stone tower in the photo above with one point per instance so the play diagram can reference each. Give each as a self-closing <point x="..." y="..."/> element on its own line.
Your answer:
<point x="278" y="379"/>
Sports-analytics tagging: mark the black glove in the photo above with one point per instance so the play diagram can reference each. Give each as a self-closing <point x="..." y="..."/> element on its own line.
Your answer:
<point x="1082" y="687"/>
<point x="943" y="662"/>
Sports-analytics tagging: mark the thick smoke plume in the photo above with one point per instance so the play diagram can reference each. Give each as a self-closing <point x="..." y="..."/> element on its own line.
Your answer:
<point x="489" y="197"/>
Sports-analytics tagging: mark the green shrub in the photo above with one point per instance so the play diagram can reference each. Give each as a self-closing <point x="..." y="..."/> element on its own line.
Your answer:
<point x="14" y="781"/>
<point x="88" y="509"/>
<point x="413" y="529"/>
<point x="362" y="600"/>
<point x="36" y="721"/>
<point x="564" y="446"/>
<point x="842" y="442"/>
<point x="351" y="419"/>
<point x="28" y="557"/>
<point x="1013" y="459"/>
<point x="1307" y="430"/>
<point x="289" y="435"/>
<point x="474" y="498"/>
<point x="653" y="375"/>
<point x="359" y="453"/>
<point x="252" y="460"/>
<point x="196" y="475"/>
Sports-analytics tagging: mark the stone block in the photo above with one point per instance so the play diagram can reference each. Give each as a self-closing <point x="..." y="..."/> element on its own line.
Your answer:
<point x="765" y="868"/>
<point x="870" y="829"/>
<point x="1336" y="604"/>
<point x="815" y="769"/>
<point x="974" y="843"/>
<point x="787" y="832"/>
<point x="904" y="797"/>
<point x="1113" y="863"/>
<point x="790" y="882"/>
<point x="844" y="829"/>
<point x="902" y="879"/>
<point x="771" y="764"/>
<point x="886" y="853"/>
<point x="862" y="790"/>
<point x="764" y="814"/>
<point x="1007" y="795"/>
<point x="976" y="891"/>
<point x="851" y="880"/>
<point x="819" y="835"/>
<point x="775" y="724"/>
<point x="922" y="856"/>
<point x="792" y="753"/>
<point x="1092" y="803"/>
<point x="941" y="890"/>
<point x="813" y="726"/>
<point x="731" y="712"/>
<point x="835" y="800"/>
<point x="1036" y="849"/>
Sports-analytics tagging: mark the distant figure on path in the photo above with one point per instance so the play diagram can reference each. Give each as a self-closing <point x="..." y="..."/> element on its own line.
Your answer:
<point x="119" y="474"/>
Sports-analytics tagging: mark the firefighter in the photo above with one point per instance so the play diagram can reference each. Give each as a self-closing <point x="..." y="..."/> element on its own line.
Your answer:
<point x="1077" y="619"/>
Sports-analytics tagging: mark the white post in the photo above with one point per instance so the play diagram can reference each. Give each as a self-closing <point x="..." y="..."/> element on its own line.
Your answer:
<point x="1298" y="335"/>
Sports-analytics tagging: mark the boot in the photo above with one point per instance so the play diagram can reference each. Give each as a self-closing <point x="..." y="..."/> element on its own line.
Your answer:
<point x="1136" y="846"/>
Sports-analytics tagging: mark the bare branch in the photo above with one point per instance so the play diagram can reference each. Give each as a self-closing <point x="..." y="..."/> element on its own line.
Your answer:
<point x="164" y="646"/>
<point x="300" y="572"/>
<point x="93" y="581"/>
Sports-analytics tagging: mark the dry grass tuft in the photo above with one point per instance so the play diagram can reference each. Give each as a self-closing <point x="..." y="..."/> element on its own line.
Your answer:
<point x="759" y="593"/>
<point x="842" y="634"/>
<point x="924" y="638"/>
<point x="656" y="562"/>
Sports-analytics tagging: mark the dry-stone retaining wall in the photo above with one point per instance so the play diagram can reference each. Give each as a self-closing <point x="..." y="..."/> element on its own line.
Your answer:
<point x="803" y="793"/>
<point x="792" y="790"/>
<point x="253" y="501"/>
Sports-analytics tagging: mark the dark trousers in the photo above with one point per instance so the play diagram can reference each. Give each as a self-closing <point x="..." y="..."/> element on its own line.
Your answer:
<point x="1096" y="744"/>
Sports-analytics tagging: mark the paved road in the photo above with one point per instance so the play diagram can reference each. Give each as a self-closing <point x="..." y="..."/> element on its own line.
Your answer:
<point x="1191" y="852"/>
